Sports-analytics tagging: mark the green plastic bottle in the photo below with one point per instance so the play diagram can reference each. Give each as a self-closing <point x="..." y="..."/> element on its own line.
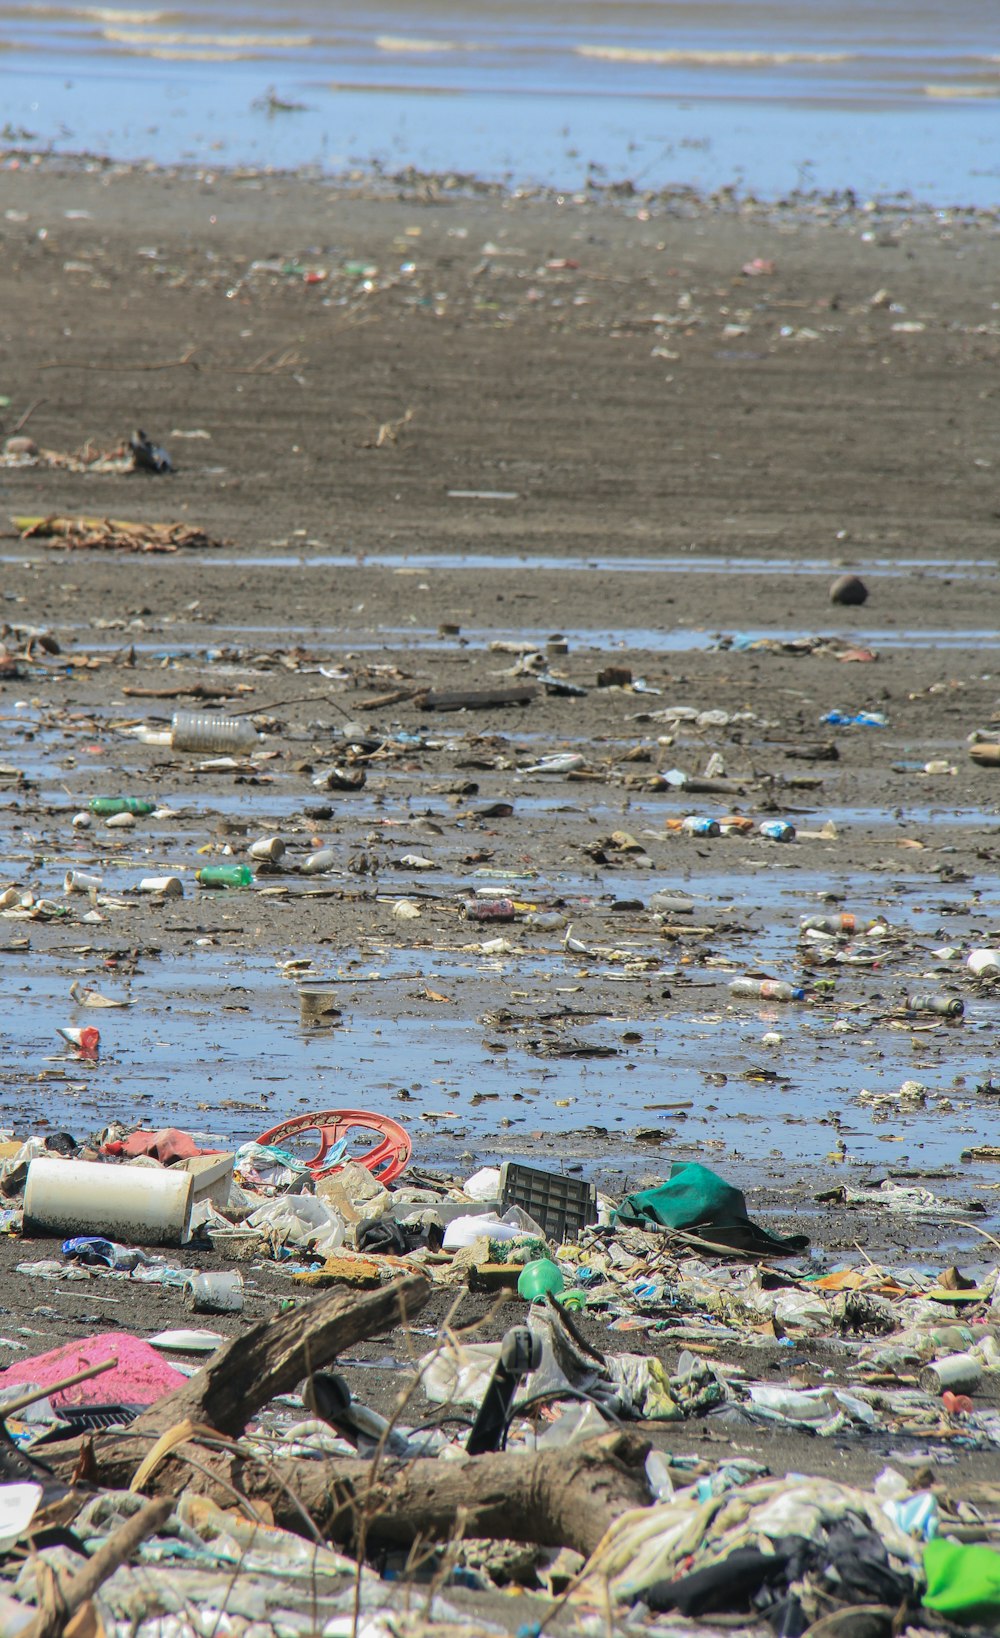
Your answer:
<point x="108" y="806"/>
<point x="539" y="1277"/>
<point x="225" y="876"/>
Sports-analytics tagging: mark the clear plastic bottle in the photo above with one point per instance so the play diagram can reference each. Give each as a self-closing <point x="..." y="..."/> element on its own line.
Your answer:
<point x="201" y="731"/>
<point x="766" y="989"/>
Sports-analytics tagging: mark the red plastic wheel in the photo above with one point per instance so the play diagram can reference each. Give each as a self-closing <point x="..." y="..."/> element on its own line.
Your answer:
<point x="386" y="1160"/>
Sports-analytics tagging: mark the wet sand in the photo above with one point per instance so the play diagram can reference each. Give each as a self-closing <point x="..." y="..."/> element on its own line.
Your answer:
<point x="438" y="419"/>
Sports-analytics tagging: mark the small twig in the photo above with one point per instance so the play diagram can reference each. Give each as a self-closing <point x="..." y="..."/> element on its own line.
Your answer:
<point x="387" y="432"/>
<point x="124" y="369"/>
<point x="35" y="1394"/>
<point x="26" y="417"/>
<point x="977" y="1230"/>
<point x="115" y="1552"/>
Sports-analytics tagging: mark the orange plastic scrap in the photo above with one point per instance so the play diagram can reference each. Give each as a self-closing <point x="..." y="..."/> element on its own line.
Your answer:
<point x="860" y="1279"/>
<point x="842" y="1279"/>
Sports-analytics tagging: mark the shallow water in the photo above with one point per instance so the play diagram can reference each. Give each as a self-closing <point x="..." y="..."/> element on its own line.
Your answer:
<point x="214" y="1039"/>
<point x="957" y="568"/>
<point x="882" y="96"/>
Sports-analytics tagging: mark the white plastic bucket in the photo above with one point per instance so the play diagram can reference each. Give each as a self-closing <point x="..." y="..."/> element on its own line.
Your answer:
<point x="134" y="1204"/>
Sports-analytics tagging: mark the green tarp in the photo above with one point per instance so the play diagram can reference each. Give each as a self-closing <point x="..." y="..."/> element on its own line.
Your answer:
<point x="700" y="1202"/>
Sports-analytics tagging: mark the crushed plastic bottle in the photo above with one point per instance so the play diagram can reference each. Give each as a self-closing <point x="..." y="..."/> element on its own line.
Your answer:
<point x="843" y="923"/>
<point x="766" y="989"/>
<point x="859" y="719"/>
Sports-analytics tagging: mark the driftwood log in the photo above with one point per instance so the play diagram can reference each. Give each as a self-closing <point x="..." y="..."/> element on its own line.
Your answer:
<point x="554" y="1498"/>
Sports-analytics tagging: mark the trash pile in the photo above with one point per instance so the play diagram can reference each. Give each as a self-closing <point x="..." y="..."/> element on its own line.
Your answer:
<point x="181" y="1482"/>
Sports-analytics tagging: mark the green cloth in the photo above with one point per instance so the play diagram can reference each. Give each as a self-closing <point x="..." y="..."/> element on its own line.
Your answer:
<point x="698" y="1200"/>
<point x="962" y="1581"/>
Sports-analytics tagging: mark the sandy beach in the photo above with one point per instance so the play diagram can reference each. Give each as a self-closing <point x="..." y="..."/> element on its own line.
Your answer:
<point x="448" y="439"/>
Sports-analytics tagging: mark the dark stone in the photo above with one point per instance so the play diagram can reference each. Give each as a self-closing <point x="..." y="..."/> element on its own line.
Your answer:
<point x="849" y="590"/>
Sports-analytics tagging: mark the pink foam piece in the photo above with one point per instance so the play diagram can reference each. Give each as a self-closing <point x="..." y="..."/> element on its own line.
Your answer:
<point x="140" y="1378"/>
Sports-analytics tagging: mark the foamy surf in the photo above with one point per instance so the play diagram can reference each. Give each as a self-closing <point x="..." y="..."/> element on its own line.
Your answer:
<point x="958" y="92"/>
<point x="400" y="43"/>
<point x="204" y="42"/>
<point x="710" y="59"/>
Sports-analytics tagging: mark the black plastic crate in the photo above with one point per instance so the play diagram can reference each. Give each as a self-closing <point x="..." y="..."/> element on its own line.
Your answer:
<point x="562" y="1205"/>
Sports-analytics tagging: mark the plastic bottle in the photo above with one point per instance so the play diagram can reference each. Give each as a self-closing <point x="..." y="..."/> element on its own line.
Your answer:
<point x="490" y="910"/>
<point x="778" y="830"/>
<point x="843" y="923"/>
<point x="225" y="876"/>
<point x="766" y="989"/>
<point x="200" y="731"/>
<point x="316" y="863"/>
<point x="108" y="806"/>
<point x="946" y="1006"/>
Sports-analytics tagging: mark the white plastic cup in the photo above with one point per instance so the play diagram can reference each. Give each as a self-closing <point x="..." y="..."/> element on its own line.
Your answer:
<point x="268" y="847"/>
<point x="171" y="887"/>
<point x="984" y="963"/>
<point x="76" y="881"/>
<point x="220" y="1293"/>
<point x="137" y="1205"/>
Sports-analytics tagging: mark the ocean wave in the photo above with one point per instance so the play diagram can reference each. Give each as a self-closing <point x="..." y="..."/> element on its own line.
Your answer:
<point x="224" y="42"/>
<point x="177" y="54"/>
<point x="111" y="14"/>
<point x="958" y="92"/>
<point x="695" y="58"/>
<point x="399" y="42"/>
